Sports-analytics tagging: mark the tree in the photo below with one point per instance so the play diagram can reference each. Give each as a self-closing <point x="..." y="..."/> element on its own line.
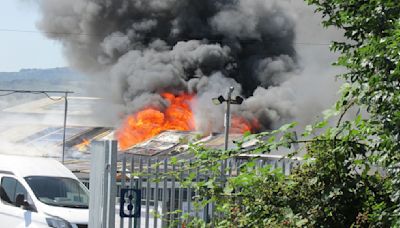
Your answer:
<point x="371" y="56"/>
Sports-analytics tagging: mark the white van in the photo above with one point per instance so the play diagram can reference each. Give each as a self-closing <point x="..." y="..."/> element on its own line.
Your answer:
<point x="40" y="192"/>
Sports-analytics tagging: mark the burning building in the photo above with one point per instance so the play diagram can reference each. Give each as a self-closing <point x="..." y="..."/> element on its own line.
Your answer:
<point x="35" y="128"/>
<point x="165" y="60"/>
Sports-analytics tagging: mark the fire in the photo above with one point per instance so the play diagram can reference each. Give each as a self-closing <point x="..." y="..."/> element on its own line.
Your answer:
<point x="242" y="125"/>
<point x="150" y="122"/>
<point x="83" y="146"/>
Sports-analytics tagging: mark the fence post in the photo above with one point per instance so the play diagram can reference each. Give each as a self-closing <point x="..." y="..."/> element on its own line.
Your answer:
<point x="103" y="168"/>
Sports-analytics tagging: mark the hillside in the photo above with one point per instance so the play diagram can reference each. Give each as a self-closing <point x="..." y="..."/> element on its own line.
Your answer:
<point x="40" y="79"/>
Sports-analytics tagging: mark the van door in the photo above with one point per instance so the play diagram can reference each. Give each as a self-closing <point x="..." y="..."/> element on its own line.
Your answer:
<point x="17" y="208"/>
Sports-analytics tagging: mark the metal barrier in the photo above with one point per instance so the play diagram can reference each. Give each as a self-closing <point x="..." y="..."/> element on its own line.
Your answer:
<point x="159" y="198"/>
<point x="102" y="184"/>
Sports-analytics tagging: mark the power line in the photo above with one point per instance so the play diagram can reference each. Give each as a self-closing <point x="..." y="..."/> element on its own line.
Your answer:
<point x="6" y="94"/>
<point x="116" y="35"/>
<point x="52" y="33"/>
<point x="46" y="93"/>
<point x="35" y="91"/>
<point x="53" y="99"/>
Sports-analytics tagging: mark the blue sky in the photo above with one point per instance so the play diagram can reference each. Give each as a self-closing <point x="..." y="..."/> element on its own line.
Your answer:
<point x="25" y="50"/>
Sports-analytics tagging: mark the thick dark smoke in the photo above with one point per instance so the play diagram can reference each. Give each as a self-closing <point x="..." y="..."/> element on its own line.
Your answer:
<point x="145" y="47"/>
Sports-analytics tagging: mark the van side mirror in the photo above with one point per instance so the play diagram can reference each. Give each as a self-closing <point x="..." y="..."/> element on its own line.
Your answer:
<point x="29" y="207"/>
<point x="21" y="202"/>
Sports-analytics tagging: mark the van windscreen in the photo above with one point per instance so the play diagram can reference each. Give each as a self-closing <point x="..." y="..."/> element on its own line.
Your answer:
<point x="59" y="191"/>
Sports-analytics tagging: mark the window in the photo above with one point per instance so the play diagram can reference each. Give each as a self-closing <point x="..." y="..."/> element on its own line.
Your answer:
<point x="12" y="192"/>
<point x="8" y="184"/>
<point x="3" y="196"/>
<point x="59" y="191"/>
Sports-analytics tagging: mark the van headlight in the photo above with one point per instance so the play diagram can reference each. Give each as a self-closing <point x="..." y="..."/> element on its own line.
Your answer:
<point x="58" y="223"/>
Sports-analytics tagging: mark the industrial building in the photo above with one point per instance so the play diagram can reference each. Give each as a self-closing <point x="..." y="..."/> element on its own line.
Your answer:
<point x="35" y="128"/>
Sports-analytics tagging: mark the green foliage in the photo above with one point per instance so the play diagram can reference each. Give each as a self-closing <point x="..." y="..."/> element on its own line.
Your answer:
<point x="371" y="56"/>
<point x="338" y="187"/>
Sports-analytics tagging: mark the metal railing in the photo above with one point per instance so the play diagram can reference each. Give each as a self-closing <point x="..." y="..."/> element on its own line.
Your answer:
<point x="163" y="193"/>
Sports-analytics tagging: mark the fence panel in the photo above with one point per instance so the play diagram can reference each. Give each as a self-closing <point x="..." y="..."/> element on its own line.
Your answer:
<point x="162" y="193"/>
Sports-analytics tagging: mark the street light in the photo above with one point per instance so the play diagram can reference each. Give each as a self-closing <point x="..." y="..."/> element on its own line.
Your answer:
<point x="229" y="101"/>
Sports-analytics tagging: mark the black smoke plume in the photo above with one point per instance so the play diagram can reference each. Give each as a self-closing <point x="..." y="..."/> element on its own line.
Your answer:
<point x="145" y="47"/>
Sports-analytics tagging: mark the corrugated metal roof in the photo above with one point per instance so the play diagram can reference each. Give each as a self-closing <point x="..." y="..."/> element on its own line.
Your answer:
<point x="172" y="142"/>
<point x="163" y="143"/>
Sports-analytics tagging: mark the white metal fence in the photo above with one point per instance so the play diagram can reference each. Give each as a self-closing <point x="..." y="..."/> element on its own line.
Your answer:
<point x="160" y="198"/>
<point x="161" y="193"/>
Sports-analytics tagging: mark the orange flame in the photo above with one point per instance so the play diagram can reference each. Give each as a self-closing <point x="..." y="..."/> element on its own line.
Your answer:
<point x="150" y="122"/>
<point x="83" y="146"/>
<point x="242" y="125"/>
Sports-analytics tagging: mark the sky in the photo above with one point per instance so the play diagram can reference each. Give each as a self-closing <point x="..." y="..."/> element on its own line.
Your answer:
<point x="22" y="50"/>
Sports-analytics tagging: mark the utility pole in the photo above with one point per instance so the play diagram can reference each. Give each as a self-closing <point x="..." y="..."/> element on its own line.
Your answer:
<point x="47" y="92"/>
<point x="65" y="124"/>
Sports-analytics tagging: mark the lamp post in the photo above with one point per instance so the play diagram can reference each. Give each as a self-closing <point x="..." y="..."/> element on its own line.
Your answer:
<point x="229" y="101"/>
